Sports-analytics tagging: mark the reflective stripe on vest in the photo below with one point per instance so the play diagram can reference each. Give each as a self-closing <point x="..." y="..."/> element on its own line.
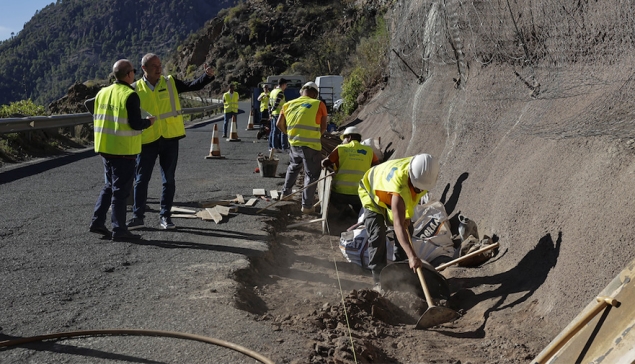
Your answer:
<point x="302" y="129"/>
<point x="230" y="102"/>
<point x="391" y="176"/>
<point x="354" y="160"/>
<point x="162" y="102"/>
<point x="264" y="103"/>
<point x="113" y="134"/>
<point x="272" y="100"/>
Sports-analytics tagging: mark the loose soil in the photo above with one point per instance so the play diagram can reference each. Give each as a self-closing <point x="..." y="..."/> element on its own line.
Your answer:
<point x="305" y="285"/>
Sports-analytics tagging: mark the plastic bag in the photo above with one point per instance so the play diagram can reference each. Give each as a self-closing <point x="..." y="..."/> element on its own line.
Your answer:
<point x="428" y="219"/>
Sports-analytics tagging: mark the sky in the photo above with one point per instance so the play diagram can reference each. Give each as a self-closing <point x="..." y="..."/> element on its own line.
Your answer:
<point x="14" y="13"/>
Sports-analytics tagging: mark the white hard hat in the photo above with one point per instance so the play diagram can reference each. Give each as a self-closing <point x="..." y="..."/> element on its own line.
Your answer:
<point x="423" y="171"/>
<point x="350" y="130"/>
<point x="312" y="85"/>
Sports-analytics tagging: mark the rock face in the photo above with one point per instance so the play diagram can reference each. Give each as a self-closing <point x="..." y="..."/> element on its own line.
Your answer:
<point x="535" y="142"/>
<point x="73" y="101"/>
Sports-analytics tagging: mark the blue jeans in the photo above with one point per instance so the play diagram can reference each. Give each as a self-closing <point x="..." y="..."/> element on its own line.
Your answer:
<point x="226" y="120"/>
<point x="118" y="177"/>
<point x="277" y="139"/>
<point x="168" y="152"/>
<point x="310" y="159"/>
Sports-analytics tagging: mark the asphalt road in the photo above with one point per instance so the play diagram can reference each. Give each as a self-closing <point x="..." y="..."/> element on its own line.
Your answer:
<point x="58" y="277"/>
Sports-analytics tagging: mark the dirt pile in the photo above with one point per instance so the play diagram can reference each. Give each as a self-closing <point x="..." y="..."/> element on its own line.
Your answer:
<point x="73" y="101"/>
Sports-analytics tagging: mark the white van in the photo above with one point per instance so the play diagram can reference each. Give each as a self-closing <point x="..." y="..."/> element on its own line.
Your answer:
<point x="330" y="88"/>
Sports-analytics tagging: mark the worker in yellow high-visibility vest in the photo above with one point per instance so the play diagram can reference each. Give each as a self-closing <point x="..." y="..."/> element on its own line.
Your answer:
<point x="117" y="125"/>
<point x="264" y="104"/>
<point x="159" y="96"/>
<point x="350" y="160"/>
<point x="389" y="193"/>
<point x="230" y="107"/>
<point x="277" y="139"/>
<point x="304" y="120"/>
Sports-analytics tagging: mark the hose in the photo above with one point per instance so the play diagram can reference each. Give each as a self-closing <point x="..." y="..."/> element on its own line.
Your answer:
<point x="133" y="332"/>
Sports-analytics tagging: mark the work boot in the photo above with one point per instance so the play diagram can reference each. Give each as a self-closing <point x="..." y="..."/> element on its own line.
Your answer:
<point x="135" y="223"/>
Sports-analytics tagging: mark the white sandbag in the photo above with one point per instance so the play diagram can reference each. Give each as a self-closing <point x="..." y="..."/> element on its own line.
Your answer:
<point x="428" y="219"/>
<point x="354" y="246"/>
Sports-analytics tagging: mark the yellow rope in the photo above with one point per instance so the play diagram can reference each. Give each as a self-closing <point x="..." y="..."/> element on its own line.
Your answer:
<point x="339" y="282"/>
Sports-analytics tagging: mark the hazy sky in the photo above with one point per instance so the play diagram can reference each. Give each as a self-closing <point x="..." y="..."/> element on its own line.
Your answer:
<point x="14" y="13"/>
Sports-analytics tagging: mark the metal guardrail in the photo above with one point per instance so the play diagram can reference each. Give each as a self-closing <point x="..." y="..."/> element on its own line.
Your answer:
<point x="31" y="123"/>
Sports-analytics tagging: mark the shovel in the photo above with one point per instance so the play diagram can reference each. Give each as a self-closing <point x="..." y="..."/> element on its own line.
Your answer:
<point x="434" y="315"/>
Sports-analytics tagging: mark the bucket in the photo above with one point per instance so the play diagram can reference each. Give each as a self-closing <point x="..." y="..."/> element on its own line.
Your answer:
<point x="267" y="167"/>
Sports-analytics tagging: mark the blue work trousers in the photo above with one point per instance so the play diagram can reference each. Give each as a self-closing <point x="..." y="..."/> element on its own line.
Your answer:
<point x="167" y="150"/>
<point x="118" y="177"/>
<point x="277" y="139"/>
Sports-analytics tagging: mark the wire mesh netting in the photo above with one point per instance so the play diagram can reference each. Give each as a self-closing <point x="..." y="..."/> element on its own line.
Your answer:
<point x="549" y="55"/>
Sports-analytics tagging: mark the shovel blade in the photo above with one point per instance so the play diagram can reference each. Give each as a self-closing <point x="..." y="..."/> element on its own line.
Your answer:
<point x="436" y="315"/>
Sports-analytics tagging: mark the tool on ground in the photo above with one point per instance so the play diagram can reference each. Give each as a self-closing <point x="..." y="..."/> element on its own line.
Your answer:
<point x="602" y="303"/>
<point x="466" y="256"/>
<point x="288" y="197"/>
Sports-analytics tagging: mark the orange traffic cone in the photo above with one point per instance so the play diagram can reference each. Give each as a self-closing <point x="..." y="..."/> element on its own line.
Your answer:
<point x="214" y="151"/>
<point x="250" y="123"/>
<point x="233" y="134"/>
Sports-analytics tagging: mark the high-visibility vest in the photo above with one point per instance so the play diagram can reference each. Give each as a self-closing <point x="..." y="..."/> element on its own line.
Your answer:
<point x="390" y="176"/>
<point x="354" y="160"/>
<point x="264" y="103"/>
<point x="302" y="129"/>
<point x="272" y="100"/>
<point x="113" y="134"/>
<point x="162" y="102"/>
<point x="230" y="102"/>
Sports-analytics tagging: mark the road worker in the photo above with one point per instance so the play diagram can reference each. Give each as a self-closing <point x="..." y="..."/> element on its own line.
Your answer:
<point x="264" y="104"/>
<point x="277" y="139"/>
<point x="230" y="107"/>
<point x="389" y="193"/>
<point x="350" y="160"/>
<point x="304" y="120"/>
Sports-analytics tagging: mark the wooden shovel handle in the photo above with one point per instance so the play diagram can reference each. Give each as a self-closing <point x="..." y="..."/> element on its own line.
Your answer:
<point x="602" y="303"/>
<point x="426" y="292"/>
<point x="465" y="257"/>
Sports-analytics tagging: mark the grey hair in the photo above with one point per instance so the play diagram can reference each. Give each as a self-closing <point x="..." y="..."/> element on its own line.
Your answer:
<point x="147" y="58"/>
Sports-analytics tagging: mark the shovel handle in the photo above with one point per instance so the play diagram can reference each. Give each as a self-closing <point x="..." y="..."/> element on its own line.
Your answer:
<point x="426" y="292"/>
<point x="602" y="303"/>
<point x="465" y="257"/>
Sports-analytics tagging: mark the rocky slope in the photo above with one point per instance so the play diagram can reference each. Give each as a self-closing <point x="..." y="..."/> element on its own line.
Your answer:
<point x="528" y="106"/>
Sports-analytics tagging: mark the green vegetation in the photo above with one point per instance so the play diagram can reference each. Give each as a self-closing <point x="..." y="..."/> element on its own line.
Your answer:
<point x="73" y="41"/>
<point x="368" y="63"/>
<point x="21" y="108"/>
<point x="256" y="39"/>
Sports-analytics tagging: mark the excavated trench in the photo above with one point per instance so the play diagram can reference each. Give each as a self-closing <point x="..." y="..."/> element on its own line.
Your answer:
<point x="294" y="288"/>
